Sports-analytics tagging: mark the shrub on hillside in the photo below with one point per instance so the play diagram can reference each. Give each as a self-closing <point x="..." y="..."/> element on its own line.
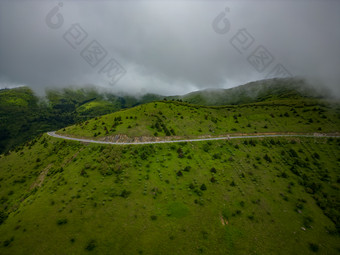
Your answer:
<point x="62" y="221"/>
<point x="313" y="247"/>
<point x="267" y="158"/>
<point x="187" y="169"/>
<point x="91" y="245"/>
<point x="3" y="217"/>
<point x="293" y="153"/>
<point x="203" y="187"/>
<point x="125" y="193"/>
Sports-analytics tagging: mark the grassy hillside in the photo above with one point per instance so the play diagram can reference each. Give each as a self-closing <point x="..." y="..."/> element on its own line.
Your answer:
<point x="258" y="196"/>
<point x="168" y="118"/>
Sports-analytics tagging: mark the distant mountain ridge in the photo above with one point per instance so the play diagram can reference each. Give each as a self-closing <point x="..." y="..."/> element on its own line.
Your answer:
<point x="257" y="91"/>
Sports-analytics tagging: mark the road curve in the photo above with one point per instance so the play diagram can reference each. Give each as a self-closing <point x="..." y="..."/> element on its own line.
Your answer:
<point x="53" y="134"/>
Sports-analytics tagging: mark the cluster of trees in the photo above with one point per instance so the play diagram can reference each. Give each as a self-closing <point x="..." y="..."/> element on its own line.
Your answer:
<point x="160" y="126"/>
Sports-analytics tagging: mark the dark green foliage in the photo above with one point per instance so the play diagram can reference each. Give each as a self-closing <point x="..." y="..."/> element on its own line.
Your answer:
<point x="206" y="147"/>
<point x="7" y="242"/>
<point x="252" y="142"/>
<point x="217" y="156"/>
<point x="284" y="175"/>
<point x="91" y="245"/>
<point x="313" y="247"/>
<point x="3" y="217"/>
<point x="267" y="158"/>
<point x="180" y="153"/>
<point x="203" y="187"/>
<point x="293" y="153"/>
<point x="125" y="193"/>
<point x="62" y="221"/>
<point x="83" y="173"/>
<point x="251" y="217"/>
<point x="143" y="156"/>
<point x="316" y="155"/>
<point x="307" y="221"/>
<point x="213" y="170"/>
<point x="299" y="206"/>
<point x="187" y="169"/>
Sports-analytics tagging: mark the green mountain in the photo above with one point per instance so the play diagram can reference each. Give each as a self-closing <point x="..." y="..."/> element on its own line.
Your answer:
<point x="258" y="91"/>
<point x="238" y="196"/>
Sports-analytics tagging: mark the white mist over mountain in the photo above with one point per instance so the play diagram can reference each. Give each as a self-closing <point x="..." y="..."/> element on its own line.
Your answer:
<point x="167" y="47"/>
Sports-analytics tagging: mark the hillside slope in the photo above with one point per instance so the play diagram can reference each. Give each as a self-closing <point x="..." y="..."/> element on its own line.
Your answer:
<point x="175" y="119"/>
<point x="259" y="196"/>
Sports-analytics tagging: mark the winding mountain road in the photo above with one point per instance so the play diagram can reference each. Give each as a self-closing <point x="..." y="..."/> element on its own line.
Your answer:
<point x="53" y="134"/>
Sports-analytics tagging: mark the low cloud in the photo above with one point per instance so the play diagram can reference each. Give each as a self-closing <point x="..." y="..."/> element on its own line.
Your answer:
<point x="168" y="47"/>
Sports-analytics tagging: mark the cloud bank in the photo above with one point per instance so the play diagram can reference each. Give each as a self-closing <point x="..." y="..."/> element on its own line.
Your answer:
<point x="167" y="47"/>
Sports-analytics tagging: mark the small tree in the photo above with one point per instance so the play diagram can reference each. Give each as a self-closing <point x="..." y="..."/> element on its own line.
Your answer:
<point x="267" y="158"/>
<point x="203" y="187"/>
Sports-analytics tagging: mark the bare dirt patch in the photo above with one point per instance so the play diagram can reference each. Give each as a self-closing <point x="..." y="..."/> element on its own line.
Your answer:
<point x="41" y="177"/>
<point x="224" y="221"/>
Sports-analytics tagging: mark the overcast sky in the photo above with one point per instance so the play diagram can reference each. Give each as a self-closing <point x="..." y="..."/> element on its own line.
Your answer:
<point x="167" y="47"/>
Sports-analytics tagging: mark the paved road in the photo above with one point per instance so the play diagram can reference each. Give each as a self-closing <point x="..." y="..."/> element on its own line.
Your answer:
<point x="53" y="134"/>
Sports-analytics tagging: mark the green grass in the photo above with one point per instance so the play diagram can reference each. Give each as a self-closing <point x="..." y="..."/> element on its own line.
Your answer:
<point x="104" y="199"/>
<point x="97" y="107"/>
<point x="167" y="118"/>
